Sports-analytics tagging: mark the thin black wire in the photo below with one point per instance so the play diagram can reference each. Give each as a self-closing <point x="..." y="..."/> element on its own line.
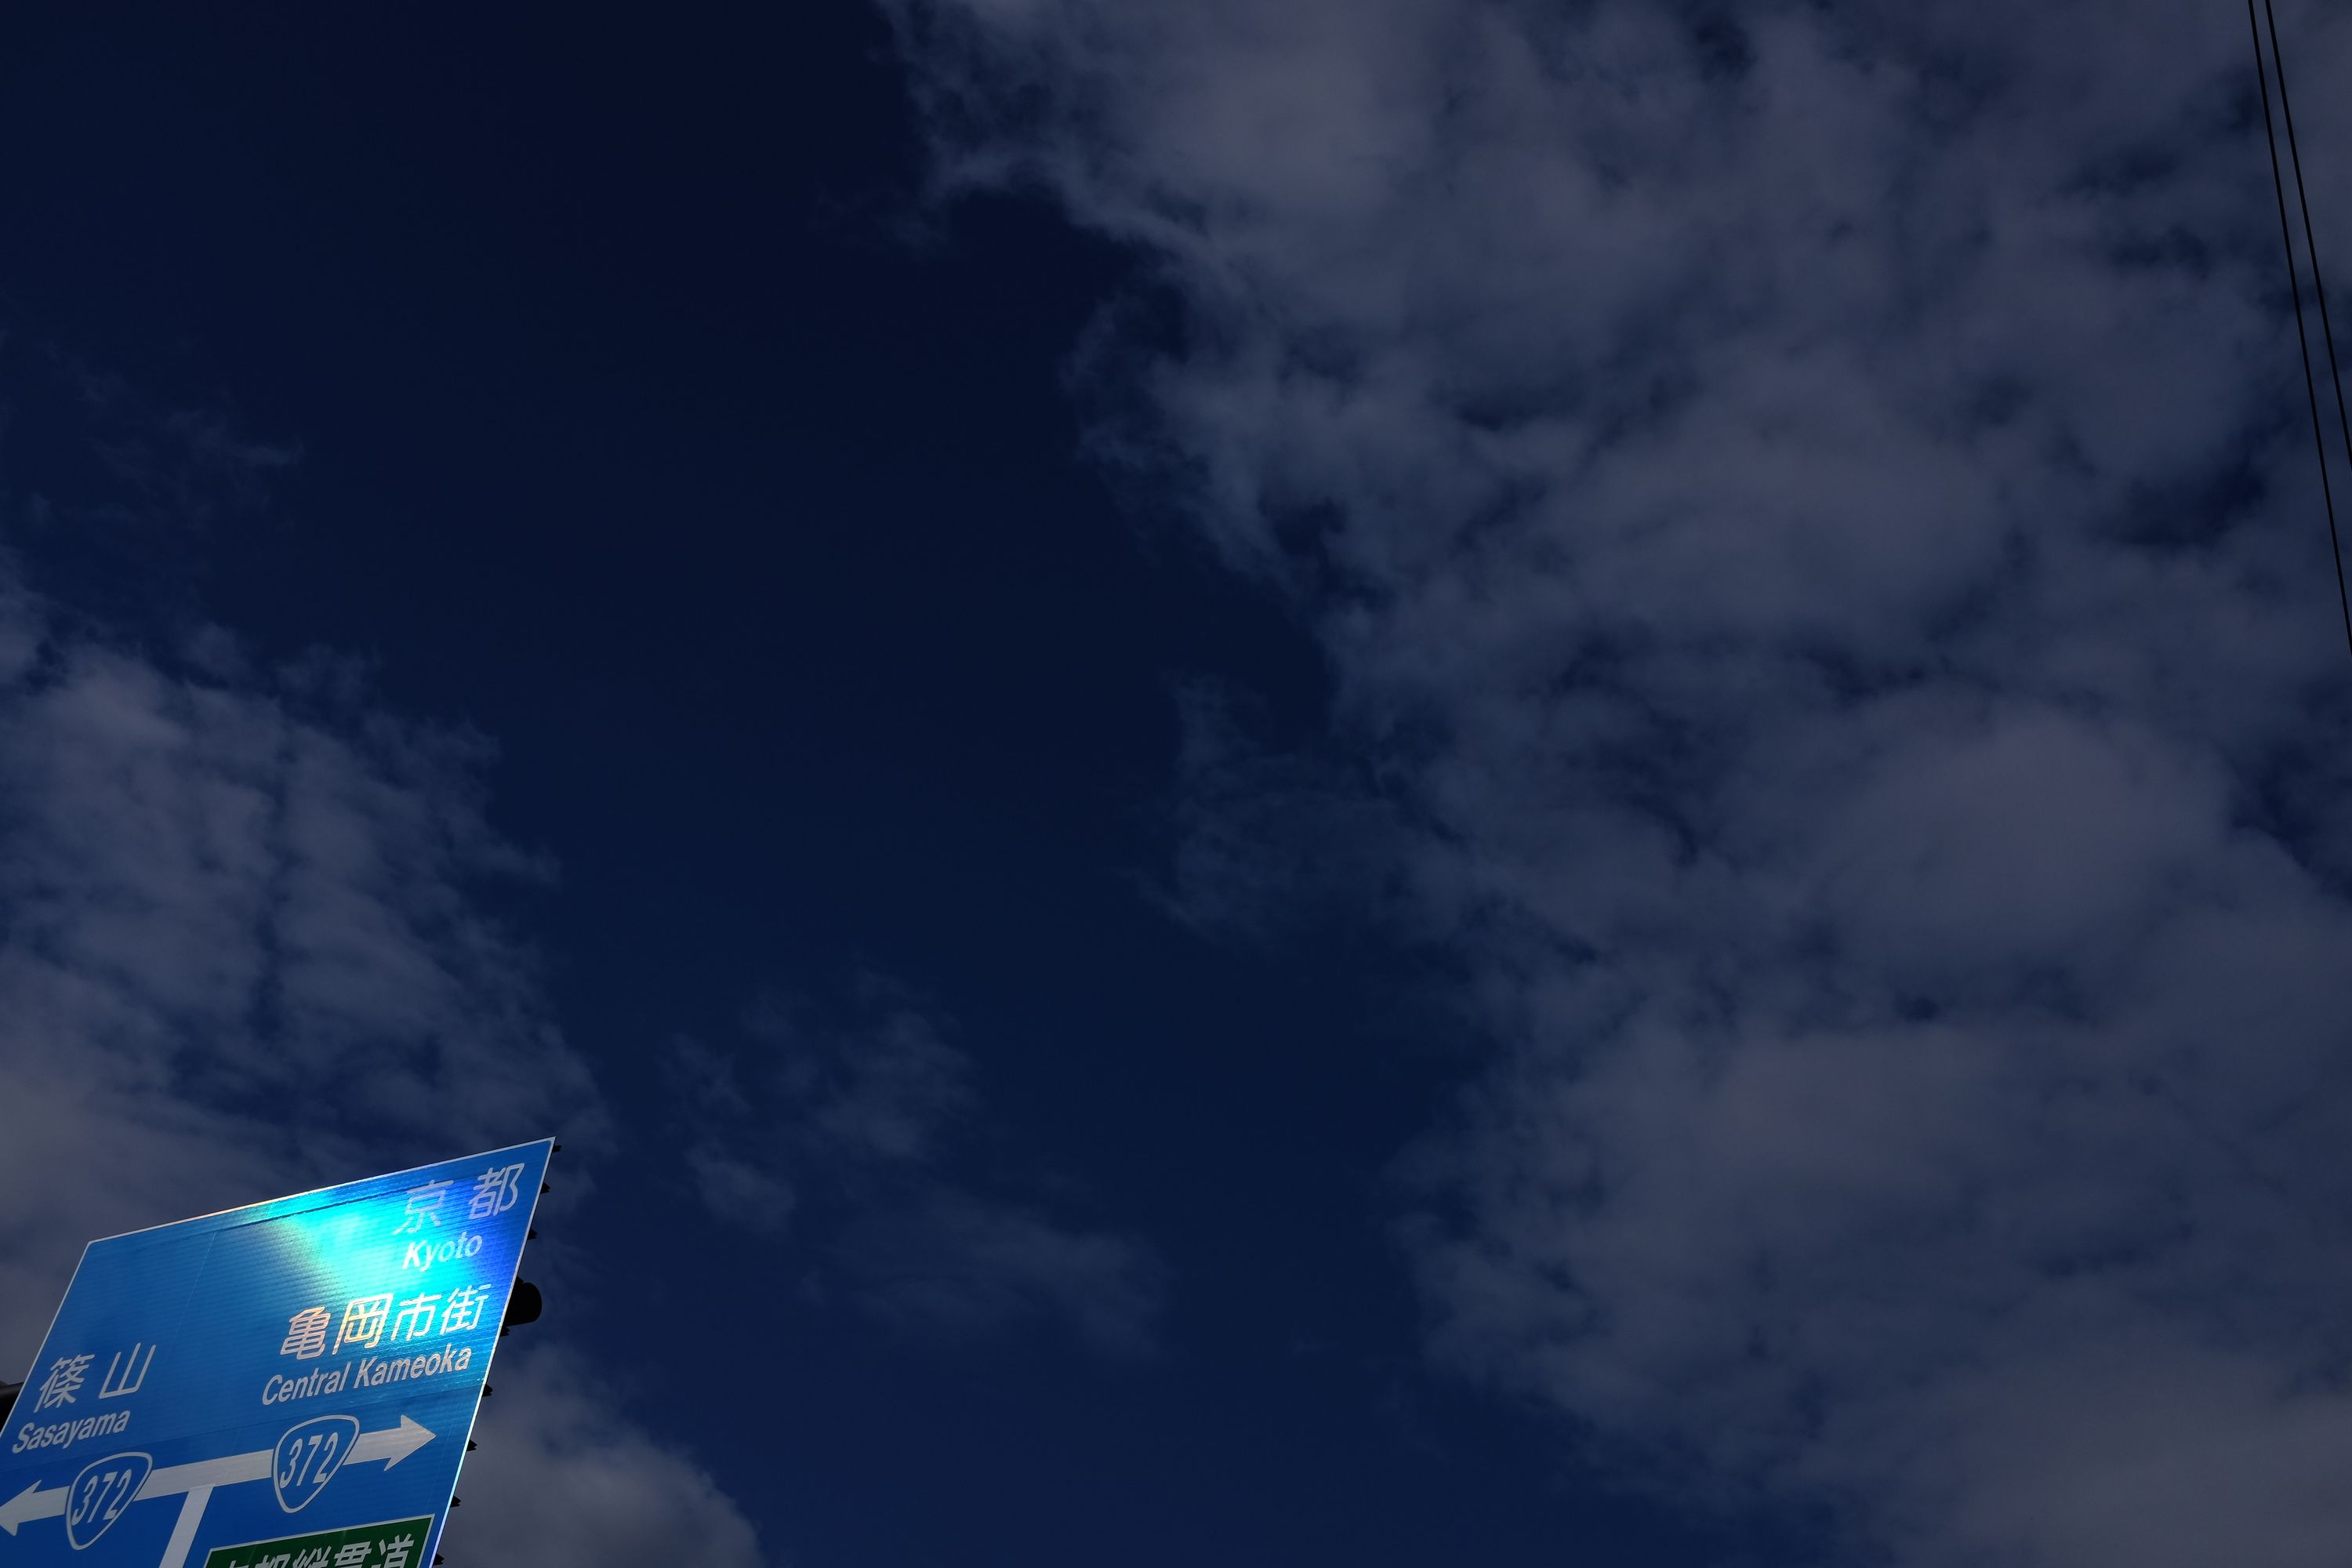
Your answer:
<point x="2295" y="289"/>
<point x="2310" y="234"/>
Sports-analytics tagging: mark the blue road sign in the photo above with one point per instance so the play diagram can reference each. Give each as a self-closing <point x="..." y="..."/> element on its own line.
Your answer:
<point x="288" y="1385"/>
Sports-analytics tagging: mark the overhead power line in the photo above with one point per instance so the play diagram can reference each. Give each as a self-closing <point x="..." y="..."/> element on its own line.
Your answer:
<point x="2294" y="288"/>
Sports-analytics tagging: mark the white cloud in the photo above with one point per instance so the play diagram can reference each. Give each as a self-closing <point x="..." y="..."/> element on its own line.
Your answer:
<point x="563" y="1476"/>
<point x="862" y="1137"/>
<point x="950" y="1266"/>
<point x="1808" y="513"/>
<point x="244" y="952"/>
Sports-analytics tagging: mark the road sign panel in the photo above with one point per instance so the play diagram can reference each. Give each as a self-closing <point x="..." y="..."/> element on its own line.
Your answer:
<point x="320" y="1355"/>
<point x="393" y="1543"/>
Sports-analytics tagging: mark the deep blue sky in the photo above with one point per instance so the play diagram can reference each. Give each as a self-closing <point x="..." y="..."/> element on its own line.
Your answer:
<point x="1373" y="782"/>
<point x="649" y="425"/>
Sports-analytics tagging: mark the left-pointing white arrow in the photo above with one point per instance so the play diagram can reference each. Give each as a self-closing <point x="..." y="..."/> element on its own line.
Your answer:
<point x="32" y="1503"/>
<point x="390" y="1444"/>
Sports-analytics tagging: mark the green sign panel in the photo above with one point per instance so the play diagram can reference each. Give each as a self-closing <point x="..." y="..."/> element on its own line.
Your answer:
<point x="395" y="1543"/>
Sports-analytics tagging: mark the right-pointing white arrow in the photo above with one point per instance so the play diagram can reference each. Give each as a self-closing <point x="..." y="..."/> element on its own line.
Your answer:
<point x="226" y="1471"/>
<point x="390" y="1444"/>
